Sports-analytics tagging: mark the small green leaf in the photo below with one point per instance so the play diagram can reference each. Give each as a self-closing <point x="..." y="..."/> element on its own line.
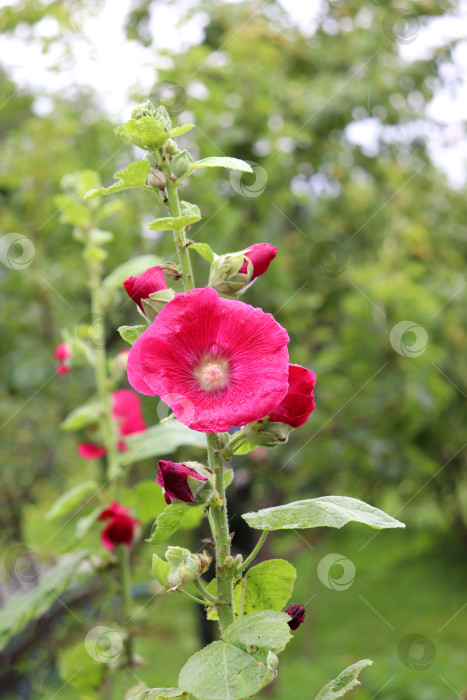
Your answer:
<point x="160" y="440"/>
<point x="244" y="448"/>
<point x="83" y="526"/>
<point x="222" y="162"/>
<point x="204" y="250"/>
<point x="161" y="570"/>
<point x="265" y="630"/>
<point x="192" y="517"/>
<point x="327" y="511"/>
<point x="179" y="130"/>
<point x="71" y="499"/>
<point x="228" y="477"/>
<point x="133" y="176"/>
<point x="135" y="267"/>
<point x="145" y="132"/>
<point x="160" y="694"/>
<point x="221" y="671"/>
<point x="266" y="586"/>
<point x="81" y="417"/>
<point x="71" y="211"/>
<point x="131" y="333"/>
<point x="170" y="223"/>
<point x="344" y="682"/>
<point x="168" y="522"/>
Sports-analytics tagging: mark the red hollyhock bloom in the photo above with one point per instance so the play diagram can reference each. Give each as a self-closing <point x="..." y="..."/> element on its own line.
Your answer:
<point x="126" y="412"/>
<point x="299" y="402"/>
<point x="297" y="613"/>
<point x="216" y="362"/>
<point x="141" y="287"/>
<point x="172" y="476"/>
<point x="120" y="529"/>
<point x="261" y="255"/>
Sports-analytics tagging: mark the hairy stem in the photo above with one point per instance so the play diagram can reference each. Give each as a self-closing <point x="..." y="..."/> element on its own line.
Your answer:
<point x="179" y="234"/>
<point x="224" y="575"/>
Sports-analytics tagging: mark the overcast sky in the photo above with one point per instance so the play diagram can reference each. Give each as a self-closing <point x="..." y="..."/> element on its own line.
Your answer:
<point x="102" y="58"/>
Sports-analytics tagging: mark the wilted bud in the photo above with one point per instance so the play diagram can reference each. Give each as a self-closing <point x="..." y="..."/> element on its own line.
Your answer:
<point x="263" y="432"/>
<point x="186" y="567"/>
<point x="297" y="613"/>
<point x="189" y="482"/>
<point x="171" y="147"/>
<point x="181" y="163"/>
<point x="146" y="109"/>
<point x="157" y="179"/>
<point x="171" y="271"/>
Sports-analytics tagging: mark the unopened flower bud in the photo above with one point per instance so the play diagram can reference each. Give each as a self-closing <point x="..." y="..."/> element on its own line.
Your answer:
<point x="157" y="179"/>
<point x="265" y="433"/>
<point x="299" y="402"/>
<point x="163" y="117"/>
<point x="171" y="147"/>
<point x="146" y="109"/>
<point x="189" y="482"/>
<point x="181" y="163"/>
<point x="297" y="613"/>
<point x="63" y="354"/>
<point x="142" y="286"/>
<point x="232" y="273"/>
<point x="186" y="567"/>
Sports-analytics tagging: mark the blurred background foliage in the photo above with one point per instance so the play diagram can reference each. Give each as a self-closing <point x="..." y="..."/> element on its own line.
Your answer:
<point x="368" y="235"/>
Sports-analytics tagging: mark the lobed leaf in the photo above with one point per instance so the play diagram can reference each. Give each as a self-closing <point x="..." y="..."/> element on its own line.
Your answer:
<point x="134" y="175"/>
<point x="168" y="522"/>
<point x="345" y="681"/>
<point x="222" y="162"/>
<point x="264" y="630"/>
<point x="146" y="132"/>
<point x="326" y="511"/>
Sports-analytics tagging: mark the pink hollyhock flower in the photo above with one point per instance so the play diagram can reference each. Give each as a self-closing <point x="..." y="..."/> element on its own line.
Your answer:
<point x="261" y="255"/>
<point x="62" y="353"/>
<point x="126" y="412"/>
<point x="90" y="450"/>
<point x="299" y="402"/>
<point x="141" y="287"/>
<point x="120" y="529"/>
<point x="216" y="362"/>
<point x="297" y="613"/>
<point x="173" y="478"/>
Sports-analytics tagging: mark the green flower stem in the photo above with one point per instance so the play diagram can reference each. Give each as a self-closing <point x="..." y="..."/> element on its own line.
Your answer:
<point x="204" y="591"/>
<point x="179" y="234"/>
<point x="255" y="550"/>
<point x="193" y="597"/>
<point x="102" y="380"/>
<point x="224" y="575"/>
<point x="125" y="583"/>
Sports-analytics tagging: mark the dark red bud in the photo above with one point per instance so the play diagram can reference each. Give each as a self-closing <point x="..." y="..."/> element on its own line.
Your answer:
<point x="297" y="613"/>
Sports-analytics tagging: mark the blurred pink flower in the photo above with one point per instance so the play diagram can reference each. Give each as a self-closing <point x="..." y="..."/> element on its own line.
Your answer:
<point x="120" y="529"/>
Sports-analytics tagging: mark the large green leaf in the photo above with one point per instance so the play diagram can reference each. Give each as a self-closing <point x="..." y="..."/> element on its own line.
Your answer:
<point x="179" y="130"/>
<point x="160" y="694"/>
<point x="160" y="440"/>
<point x="135" y="266"/>
<point x="221" y="671"/>
<point x="261" y="630"/>
<point x="21" y="609"/>
<point x="145" y="132"/>
<point x="266" y="586"/>
<point x="344" y="682"/>
<point x="168" y="522"/>
<point x="134" y="175"/>
<point x="327" y="511"/>
<point x="71" y="499"/>
<point x="222" y="162"/>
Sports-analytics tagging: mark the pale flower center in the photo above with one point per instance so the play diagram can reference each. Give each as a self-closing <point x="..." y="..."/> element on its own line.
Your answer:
<point x="212" y="375"/>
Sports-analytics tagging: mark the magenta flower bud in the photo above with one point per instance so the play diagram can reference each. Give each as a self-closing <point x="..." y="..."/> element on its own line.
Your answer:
<point x="141" y="287"/>
<point x="62" y="352"/>
<point x="189" y="481"/>
<point x="260" y="255"/>
<point x="299" y="402"/>
<point x="297" y="613"/>
<point x="121" y="528"/>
